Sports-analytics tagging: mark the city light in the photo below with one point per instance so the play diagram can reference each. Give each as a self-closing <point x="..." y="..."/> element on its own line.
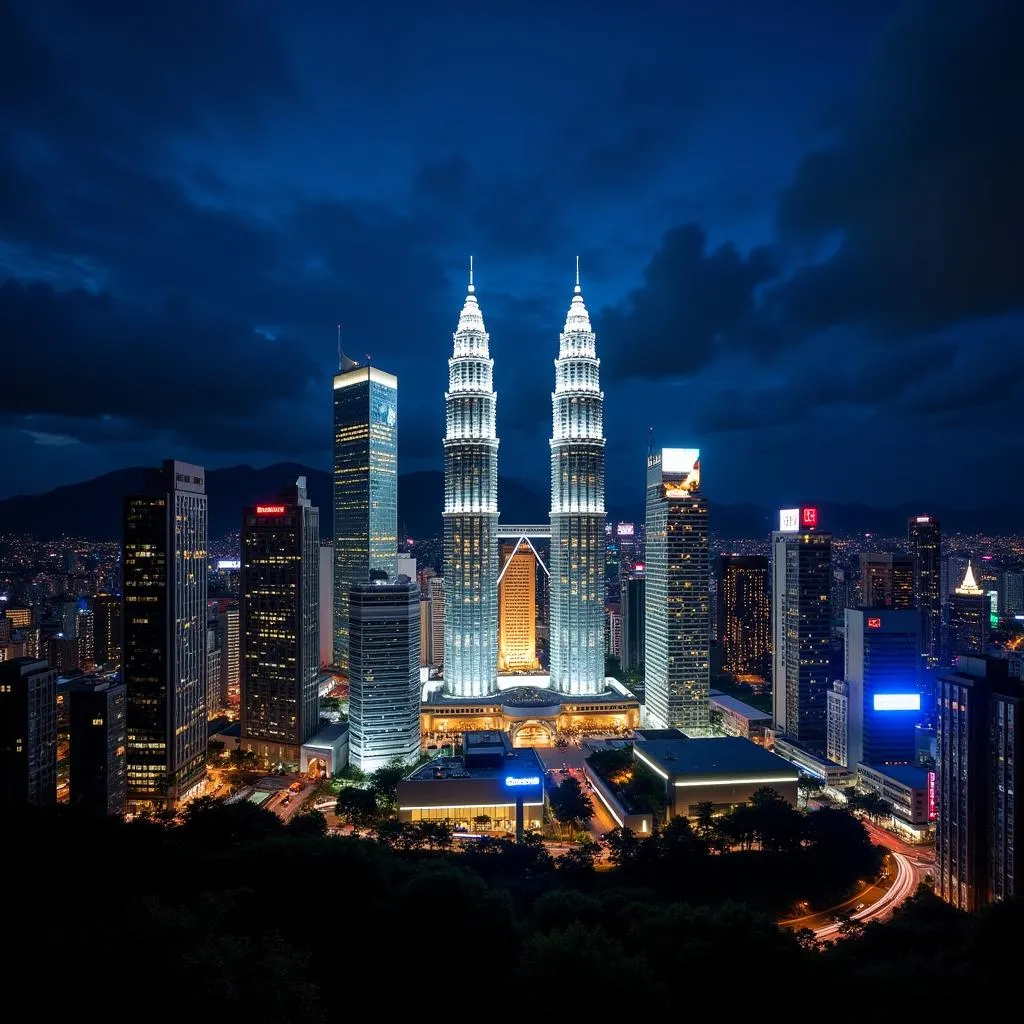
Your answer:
<point x="897" y="702"/>
<point x="527" y="780"/>
<point x="269" y="510"/>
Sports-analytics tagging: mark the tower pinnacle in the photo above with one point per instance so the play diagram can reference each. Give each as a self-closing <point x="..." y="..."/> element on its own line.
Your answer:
<point x="576" y="290"/>
<point x="471" y="288"/>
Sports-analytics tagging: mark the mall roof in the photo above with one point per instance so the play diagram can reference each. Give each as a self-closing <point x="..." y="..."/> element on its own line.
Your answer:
<point x="738" y="707"/>
<point x="522" y="759"/>
<point x="719" y="756"/>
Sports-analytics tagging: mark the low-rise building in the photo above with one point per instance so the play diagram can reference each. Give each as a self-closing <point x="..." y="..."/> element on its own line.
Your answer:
<point x="326" y="753"/>
<point x="910" y="791"/>
<point x="740" y="719"/>
<point x="817" y="767"/>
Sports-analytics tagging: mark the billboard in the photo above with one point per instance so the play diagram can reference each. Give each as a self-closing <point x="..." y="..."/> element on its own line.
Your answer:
<point x="625" y="529"/>
<point x="270" y="510"/>
<point x="897" y="702"/>
<point x="789" y="520"/>
<point x="226" y="564"/>
<point x="683" y="463"/>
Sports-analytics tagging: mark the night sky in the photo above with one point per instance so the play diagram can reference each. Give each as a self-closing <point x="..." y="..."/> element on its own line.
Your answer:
<point x="800" y="228"/>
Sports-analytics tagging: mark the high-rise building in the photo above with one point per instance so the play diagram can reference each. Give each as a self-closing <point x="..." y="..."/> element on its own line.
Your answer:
<point x="62" y="652"/>
<point x="969" y="618"/>
<point x="633" y="617"/>
<point x="280" y="624"/>
<point x="886" y="580"/>
<point x="326" y="603"/>
<point x="801" y="627"/>
<point x="216" y="696"/>
<point x="744" y="615"/>
<point x="885" y="700"/>
<point x="164" y="556"/>
<point x="229" y="641"/>
<point x="28" y="732"/>
<point x="677" y="630"/>
<point x="424" y="631"/>
<point x="384" y="675"/>
<point x="470" y="511"/>
<point x="979" y="768"/>
<point x="18" y="616"/>
<point x="924" y="541"/>
<point x="85" y="632"/>
<point x="576" y="641"/>
<point x="517" y="609"/>
<point x="837" y="747"/>
<point x="437" y="631"/>
<point x="98" y="716"/>
<point x="613" y="632"/>
<point x="365" y="485"/>
<point x="106" y="609"/>
<point x="1012" y="590"/>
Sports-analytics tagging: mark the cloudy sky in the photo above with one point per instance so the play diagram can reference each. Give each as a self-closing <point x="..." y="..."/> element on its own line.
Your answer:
<point x="800" y="228"/>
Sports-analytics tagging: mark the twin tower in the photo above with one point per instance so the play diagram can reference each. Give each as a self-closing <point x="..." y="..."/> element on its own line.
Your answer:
<point x="471" y="511"/>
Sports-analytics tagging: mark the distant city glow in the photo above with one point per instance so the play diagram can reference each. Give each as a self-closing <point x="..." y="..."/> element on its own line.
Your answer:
<point x="897" y="701"/>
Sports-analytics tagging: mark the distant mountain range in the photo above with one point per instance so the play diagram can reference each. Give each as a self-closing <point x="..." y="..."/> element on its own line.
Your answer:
<point x="93" y="508"/>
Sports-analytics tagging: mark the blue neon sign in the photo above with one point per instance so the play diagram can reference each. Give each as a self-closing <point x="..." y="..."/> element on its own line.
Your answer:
<point x="897" y="702"/>
<point x="529" y="780"/>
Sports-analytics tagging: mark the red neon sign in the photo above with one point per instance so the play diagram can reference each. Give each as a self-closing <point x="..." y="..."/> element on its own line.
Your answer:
<point x="269" y="510"/>
<point x="809" y="516"/>
<point x="932" y="809"/>
<point x="874" y="623"/>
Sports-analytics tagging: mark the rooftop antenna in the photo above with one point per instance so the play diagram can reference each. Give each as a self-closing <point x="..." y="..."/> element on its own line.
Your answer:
<point x="339" y="347"/>
<point x="576" y="290"/>
<point x="650" y="440"/>
<point x="471" y="288"/>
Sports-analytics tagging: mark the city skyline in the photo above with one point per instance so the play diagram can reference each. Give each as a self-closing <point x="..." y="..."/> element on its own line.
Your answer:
<point x="743" y="228"/>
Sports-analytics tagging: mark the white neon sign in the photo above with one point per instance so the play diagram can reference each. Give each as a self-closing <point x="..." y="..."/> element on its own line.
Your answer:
<point x="529" y="780"/>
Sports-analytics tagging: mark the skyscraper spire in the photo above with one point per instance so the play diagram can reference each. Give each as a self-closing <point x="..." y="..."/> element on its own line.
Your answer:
<point x="969" y="585"/>
<point x="470" y="510"/>
<point x="577" y="509"/>
<point x="576" y="290"/>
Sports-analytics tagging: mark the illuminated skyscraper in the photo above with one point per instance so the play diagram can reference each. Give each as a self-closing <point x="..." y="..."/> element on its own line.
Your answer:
<point x="28" y="733"/>
<point x="633" y="615"/>
<point x="470" y="511"/>
<point x="744" y="615"/>
<point x="517" y="603"/>
<point x="924" y="540"/>
<point x="801" y="627"/>
<point x="577" y="510"/>
<point x="106" y="610"/>
<point x="280" y="625"/>
<point x="164" y="622"/>
<point x="969" y="618"/>
<point x="365" y="484"/>
<point x="886" y="580"/>
<point x="678" y="615"/>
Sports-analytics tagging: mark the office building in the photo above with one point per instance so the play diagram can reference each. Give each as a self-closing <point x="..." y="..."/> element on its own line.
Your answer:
<point x="437" y="631"/>
<point x="98" y="715"/>
<point x="885" y="702"/>
<point x="85" y="632"/>
<point x="969" y="618"/>
<point x="280" y="625"/>
<point x="741" y="719"/>
<point x="633" y="619"/>
<point x="886" y="580"/>
<point x="517" y="609"/>
<point x="424" y="631"/>
<point x="744" y="616"/>
<point x="384" y="673"/>
<point x="924" y="541"/>
<point x="326" y="603"/>
<point x="1012" y="592"/>
<point x="470" y="511"/>
<point x="28" y="733"/>
<point x="576" y="630"/>
<point x="216" y="699"/>
<point x="229" y="641"/>
<point x="837" y="709"/>
<point x="909" y="791"/>
<point x="365" y="485"/>
<point x="62" y="652"/>
<point x="18" y="616"/>
<point x="677" y="641"/>
<point x="164" y="559"/>
<point x="978" y="772"/>
<point x="613" y="633"/>
<point x="801" y="627"/>
<point x="106" y="610"/>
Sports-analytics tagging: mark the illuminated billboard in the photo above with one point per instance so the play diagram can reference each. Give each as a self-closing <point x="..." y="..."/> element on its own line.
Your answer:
<point x="270" y="510"/>
<point x="684" y="464"/>
<point x="789" y="520"/>
<point x="228" y="563"/>
<point x="897" y="701"/>
<point x="625" y="529"/>
<point x="528" y="780"/>
<point x="809" y="517"/>
<point x="874" y="623"/>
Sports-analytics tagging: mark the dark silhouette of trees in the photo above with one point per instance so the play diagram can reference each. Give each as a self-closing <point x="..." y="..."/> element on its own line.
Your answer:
<point x="357" y="806"/>
<point x="569" y="804"/>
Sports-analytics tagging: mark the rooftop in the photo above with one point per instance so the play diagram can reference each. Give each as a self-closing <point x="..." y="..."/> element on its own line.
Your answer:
<point x="328" y="736"/>
<point x="521" y="760"/>
<point x="718" y="756"/>
<point x="905" y="774"/>
<point x="739" y="707"/>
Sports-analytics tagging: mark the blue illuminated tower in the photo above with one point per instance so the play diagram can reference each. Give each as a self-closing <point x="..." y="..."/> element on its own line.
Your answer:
<point x="577" y="509"/>
<point x="470" y="511"/>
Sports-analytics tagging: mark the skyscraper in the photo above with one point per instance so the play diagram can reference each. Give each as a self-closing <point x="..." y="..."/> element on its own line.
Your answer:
<point x="28" y="733"/>
<point x="106" y="610"/>
<point x="470" y="510"/>
<point x="517" y="604"/>
<point x="164" y="622"/>
<point x="326" y="602"/>
<point x="230" y="642"/>
<point x="577" y="510"/>
<point x="744" y="615"/>
<point x="365" y="484"/>
<point x="886" y="580"/>
<point x="969" y="620"/>
<point x="384" y="677"/>
<point x="801" y="627"/>
<point x="924" y="541"/>
<point x="435" y="590"/>
<point x="633" y="616"/>
<point x="678" y="617"/>
<point x="98" y="717"/>
<point x="280" y="624"/>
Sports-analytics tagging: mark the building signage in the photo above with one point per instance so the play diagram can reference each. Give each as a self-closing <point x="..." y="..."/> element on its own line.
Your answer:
<point x="932" y="808"/>
<point x="625" y="529"/>
<point x="269" y="510"/>
<point x="528" y="780"/>
<point x="897" y="701"/>
<point x="809" y="517"/>
<point x="789" y="520"/>
<point x="874" y="623"/>
<point x="228" y="563"/>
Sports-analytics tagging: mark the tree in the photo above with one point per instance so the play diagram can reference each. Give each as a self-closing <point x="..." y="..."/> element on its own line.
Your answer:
<point x="309" y="823"/>
<point x="384" y="783"/>
<point x="569" y="804"/>
<point x="357" y="806"/>
<point x="623" y="846"/>
<point x="215" y="823"/>
<point x="706" y="827"/>
<point x="243" y="758"/>
<point x="482" y="822"/>
<point x="716" y="720"/>
<point x="578" y="862"/>
<point x="214" y="748"/>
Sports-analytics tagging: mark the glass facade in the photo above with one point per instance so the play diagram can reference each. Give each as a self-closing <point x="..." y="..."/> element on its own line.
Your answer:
<point x="578" y="542"/>
<point x="744" y="616"/>
<point x="470" y="512"/>
<point x="164" y="560"/>
<point x="924" y="540"/>
<point x="280" y="620"/>
<point x="678" y="621"/>
<point x="365" y="486"/>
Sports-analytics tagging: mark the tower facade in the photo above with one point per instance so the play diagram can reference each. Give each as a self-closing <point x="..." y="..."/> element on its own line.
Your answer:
<point x="969" y="618"/>
<point x="744" y="615"/>
<point x="365" y="485"/>
<point x="470" y="511"/>
<point x="577" y="510"/>
<point x="924" y="541"/>
<point x="517" y="599"/>
<point x="164" y="624"/>
<point x="677" y="640"/>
